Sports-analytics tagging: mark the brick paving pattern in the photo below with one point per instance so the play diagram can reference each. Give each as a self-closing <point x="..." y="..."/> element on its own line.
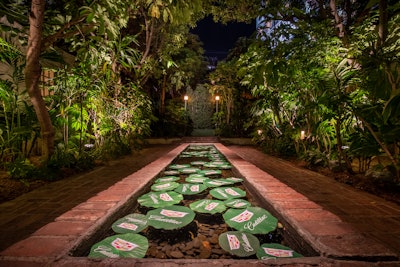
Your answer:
<point x="346" y="226"/>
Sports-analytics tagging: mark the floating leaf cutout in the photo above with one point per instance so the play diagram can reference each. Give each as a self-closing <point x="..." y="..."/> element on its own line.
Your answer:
<point x="160" y="199"/>
<point x="166" y="179"/>
<point x="237" y="203"/>
<point x="120" y="246"/>
<point x="273" y="250"/>
<point x="218" y="182"/>
<point x="254" y="220"/>
<point x="210" y="206"/>
<point x="178" y="166"/>
<point x="227" y="192"/>
<point x="196" y="178"/>
<point x="131" y="223"/>
<point x="189" y="170"/>
<point x="171" y="217"/>
<point x="209" y="172"/>
<point x="190" y="189"/>
<point x="239" y="243"/>
<point x="168" y="186"/>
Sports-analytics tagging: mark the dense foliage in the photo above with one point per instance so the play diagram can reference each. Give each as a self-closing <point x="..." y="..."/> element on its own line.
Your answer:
<point x="325" y="79"/>
<point x="320" y="80"/>
<point x="112" y="67"/>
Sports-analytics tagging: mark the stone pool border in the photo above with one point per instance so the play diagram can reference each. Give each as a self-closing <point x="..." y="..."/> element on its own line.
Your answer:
<point x="335" y="241"/>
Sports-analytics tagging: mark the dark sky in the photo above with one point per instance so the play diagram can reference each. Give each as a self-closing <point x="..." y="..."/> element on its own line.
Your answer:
<point x="218" y="39"/>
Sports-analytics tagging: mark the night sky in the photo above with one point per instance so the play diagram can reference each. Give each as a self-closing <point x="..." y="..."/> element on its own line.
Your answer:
<point x="218" y="39"/>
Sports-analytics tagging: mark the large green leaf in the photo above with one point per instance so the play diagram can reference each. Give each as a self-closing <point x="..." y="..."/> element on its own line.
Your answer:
<point x="196" y="178"/>
<point x="210" y="172"/>
<point x="239" y="243"/>
<point x="120" y="246"/>
<point x="210" y="206"/>
<point x="270" y="251"/>
<point x="237" y="203"/>
<point x="227" y="192"/>
<point x="218" y="182"/>
<point x="131" y="223"/>
<point x="190" y="189"/>
<point x="166" y="179"/>
<point x="171" y="217"/>
<point x="253" y="220"/>
<point x="168" y="186"/>
<point x="160" y="199"/>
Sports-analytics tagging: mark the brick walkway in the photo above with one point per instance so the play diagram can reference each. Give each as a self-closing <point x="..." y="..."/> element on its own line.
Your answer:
<point x="21" y="217"/>
<point x="60" y="212"/>
<point x="371" y="215"/>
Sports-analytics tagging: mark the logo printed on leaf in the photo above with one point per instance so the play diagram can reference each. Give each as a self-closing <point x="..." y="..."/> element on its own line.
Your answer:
<point x="164" y="186"/>
<point x="227" y="192"/>
<point x="274" y="250"/>
<point x="123" y="245"/>
<point x="160" y="199"/>
<point x="119" y="246"/>
<point x="237" y="203"/>
<point x="210" y="206"/>
<point x="167" y="179"/>
<point x="253" y="220"/>
<point x="239" y="243"/>
<point x="131" y="223"/>
<point x="171" y="217"/>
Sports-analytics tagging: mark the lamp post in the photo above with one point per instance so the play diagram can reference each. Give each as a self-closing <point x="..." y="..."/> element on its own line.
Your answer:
<point x="186" y="98"/>
<point x="216" y="102"/>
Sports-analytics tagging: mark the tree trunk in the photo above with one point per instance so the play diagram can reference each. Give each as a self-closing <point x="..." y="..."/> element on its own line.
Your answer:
<point x="383" y="22"/>
<point x="342" y="154"/>
<point x="163" y="92"/>
<point x="32" y="77"/>
<point x="338" y="22"/>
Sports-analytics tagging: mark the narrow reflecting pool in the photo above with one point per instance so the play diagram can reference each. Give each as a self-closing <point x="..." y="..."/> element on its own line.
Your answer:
<point x="197" y="208"/>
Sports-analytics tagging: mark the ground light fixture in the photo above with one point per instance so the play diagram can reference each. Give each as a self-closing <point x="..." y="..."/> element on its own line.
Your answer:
<point x="302" y="135"/>
<point x="216" y="102"/>
<point x="186" y="98"/>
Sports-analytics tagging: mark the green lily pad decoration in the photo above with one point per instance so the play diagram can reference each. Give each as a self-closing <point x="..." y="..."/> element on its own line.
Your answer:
<point x="210" y="206"/>
<point x="200" y="147"/>
<point x="120" y="246"/>
<point x="189" y="170"/>
<point x="171" y="217"/>
<point x="237" y="203"/>
<point x="234" y="179"/>
<point x="178" y="166"/>
<point x="239" y="243"/>
<point x="215" y="156"/>
<point x="197" y="163"/>
<point x="218" y="164"/>
<point x="273" y="250"/>
<point x="197" y="154"/>
<point x="167" y="179"/>
<point x="190" y="189"/>
<point x="227" y="192"/>
<point x="196" y="175"/>
<point x="253" y="220"/>
<point x="132" y="223"/>
<point x="225" y="166"/>
<point x="171" y="172"/>
<point x="196" y="179"/>
<point x="210" y="165"/>
<point x="164" y="186"/>
<point x="209" y="172"/>
<point x="217" y="182"/>
<point x="160" y="199"/>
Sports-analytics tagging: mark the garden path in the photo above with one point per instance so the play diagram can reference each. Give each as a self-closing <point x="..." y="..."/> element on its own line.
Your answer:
<point x="371" y="215"/>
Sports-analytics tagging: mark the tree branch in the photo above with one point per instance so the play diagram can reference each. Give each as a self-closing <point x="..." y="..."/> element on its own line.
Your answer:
<point x="49" y="40"/>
